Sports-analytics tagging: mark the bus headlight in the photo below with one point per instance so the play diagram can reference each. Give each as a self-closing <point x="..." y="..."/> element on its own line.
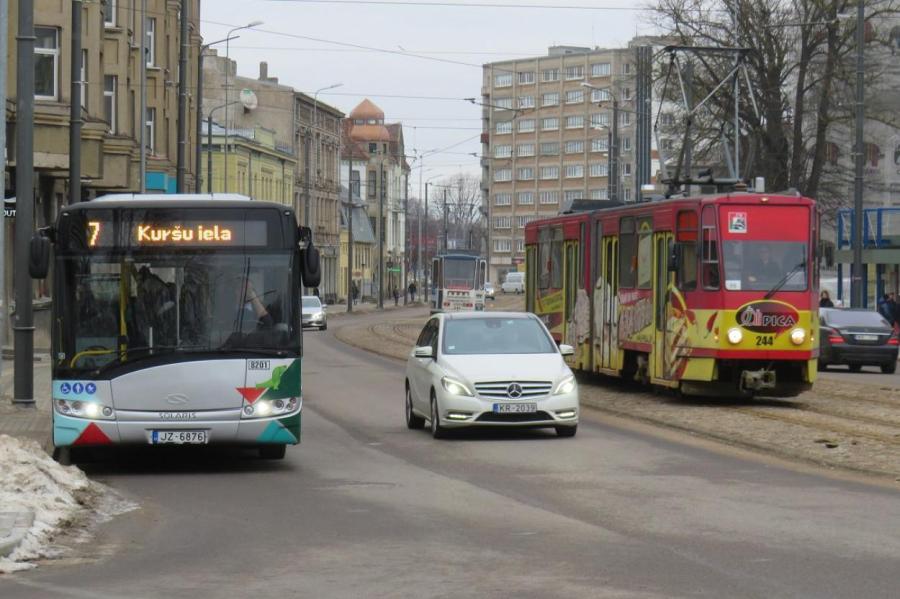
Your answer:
<point x="798" y="336"/>
<point x="92" y="410"/>
<point x="735" y="336"/>
<point x="266" y="408"/>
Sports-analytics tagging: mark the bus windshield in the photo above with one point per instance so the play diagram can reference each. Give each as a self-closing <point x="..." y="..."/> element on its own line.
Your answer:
<point x="459" y="274"/>
<point x="761" y="265"/>
<point x="123" y="306"/>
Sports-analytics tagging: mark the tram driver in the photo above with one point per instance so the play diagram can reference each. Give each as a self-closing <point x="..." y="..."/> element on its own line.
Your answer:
<point x="764" y="272"/>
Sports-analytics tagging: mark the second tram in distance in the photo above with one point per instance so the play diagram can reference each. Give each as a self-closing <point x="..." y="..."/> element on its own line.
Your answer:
<point x="713" y="295"/>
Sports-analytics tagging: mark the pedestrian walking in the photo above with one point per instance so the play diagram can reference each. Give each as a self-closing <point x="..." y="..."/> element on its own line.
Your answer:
<point x="412" y="291"/>
<point x="354" y="292"/>
<point x="885" y="308"/>
<point x="825" y="300"/>
<point x="396" y="297"/>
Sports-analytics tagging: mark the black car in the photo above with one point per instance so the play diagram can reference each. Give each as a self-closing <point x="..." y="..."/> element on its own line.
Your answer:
<point x="856" y="338"/>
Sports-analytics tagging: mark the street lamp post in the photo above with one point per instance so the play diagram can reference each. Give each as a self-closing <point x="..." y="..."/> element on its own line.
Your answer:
<point x="198" y="160"/>
<point x="228" y="39"/>
<point x="209" y="124"/>
<point x="612" y="145"/>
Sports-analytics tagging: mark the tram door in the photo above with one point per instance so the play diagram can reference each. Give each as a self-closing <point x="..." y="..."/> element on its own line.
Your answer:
<point x="663" y="279"/>
<point x="570" y="294"/>
<point x="606" y="305"/>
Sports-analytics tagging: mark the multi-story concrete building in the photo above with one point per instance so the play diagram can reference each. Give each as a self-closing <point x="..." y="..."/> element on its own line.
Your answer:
<point x="258" y="165"/>
<point x="545" y="139"/>
<point x="377" y="153"/>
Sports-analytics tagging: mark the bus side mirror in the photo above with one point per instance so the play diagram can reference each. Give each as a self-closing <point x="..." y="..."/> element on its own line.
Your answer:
<point x="674" y="258"/>
<point x="39" y="257"/>
<point x="311" y="265"/>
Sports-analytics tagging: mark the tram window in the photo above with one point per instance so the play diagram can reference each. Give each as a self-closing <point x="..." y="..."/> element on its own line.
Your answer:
<point x="686" y="236"/>
<point x="645" y="254"/>
<point x="627" y="253"/>
<point x="556" y="259"/>
<point x="710" y="257"/>
<point x="544" y="257"/>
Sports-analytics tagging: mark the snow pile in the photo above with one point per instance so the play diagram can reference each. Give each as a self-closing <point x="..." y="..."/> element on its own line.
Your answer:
<point x="61" y="498"/>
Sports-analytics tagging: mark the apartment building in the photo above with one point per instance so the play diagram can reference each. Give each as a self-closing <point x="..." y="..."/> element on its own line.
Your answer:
<point x="545" y="139"/>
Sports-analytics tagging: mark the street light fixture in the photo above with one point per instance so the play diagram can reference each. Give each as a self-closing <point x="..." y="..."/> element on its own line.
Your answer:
<point x="209" y="144"/>
<point x="198" y="161"/>
<point x="228" y="38"/>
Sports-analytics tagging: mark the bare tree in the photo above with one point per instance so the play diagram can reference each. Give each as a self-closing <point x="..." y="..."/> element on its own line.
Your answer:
<point x="465" y="219"/>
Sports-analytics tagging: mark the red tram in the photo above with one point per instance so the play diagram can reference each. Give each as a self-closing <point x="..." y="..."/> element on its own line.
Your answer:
<point x="714" y="295"/>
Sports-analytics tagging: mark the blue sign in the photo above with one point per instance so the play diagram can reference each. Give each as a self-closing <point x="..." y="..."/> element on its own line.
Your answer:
<point x="90" y="388"/>
<point x="78" y="388"/>
<point x="65" y="388"/>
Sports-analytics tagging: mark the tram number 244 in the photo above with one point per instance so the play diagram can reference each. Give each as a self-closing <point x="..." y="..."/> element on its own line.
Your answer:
<point x="765" y="340"/>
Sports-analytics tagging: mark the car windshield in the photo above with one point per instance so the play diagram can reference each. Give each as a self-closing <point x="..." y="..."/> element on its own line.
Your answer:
<point x="855" y="318"/>
<point x="311" y="302"/>
<point x="496" y="335"/>
<point x="761" y="265"/>
<point x="122" y="306"/>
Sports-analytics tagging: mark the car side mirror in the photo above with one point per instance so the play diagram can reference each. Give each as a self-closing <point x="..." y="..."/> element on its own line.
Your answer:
<point x="674" y="257"/>
<point x="424" y="352"/>
<point x="566" y="350"/>
<point x="39" y="257"/>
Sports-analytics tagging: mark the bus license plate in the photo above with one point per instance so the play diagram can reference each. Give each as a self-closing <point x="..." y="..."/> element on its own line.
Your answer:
<point x="179" y="437"/>
<point x="515" y="408"/>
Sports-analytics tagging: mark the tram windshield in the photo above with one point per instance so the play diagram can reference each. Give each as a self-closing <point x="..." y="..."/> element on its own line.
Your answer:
<point x="124" y="306"/>
<point x="459" y="274"/>
<point x="762" y="265"/>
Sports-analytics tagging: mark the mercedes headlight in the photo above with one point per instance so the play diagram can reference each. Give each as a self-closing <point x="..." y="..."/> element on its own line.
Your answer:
<point x="735" y="336"/>
<point x="567" y="385"/>
<point x="455" y="387"/>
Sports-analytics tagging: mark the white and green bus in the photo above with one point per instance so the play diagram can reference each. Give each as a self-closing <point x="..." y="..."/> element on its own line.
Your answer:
<point x="176" y="320"/>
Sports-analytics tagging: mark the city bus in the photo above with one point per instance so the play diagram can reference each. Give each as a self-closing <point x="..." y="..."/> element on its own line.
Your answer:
<point x="457" y="283"/>
<point x="713" y="295"/>
<point x="176" y="320"/>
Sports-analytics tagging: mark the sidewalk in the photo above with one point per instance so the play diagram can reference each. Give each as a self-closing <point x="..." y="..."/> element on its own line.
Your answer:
<point x="340" y="309"/>
<point x="26" y="422"/>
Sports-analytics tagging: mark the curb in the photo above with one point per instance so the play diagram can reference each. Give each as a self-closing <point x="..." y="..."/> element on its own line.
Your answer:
<point x="13" y="528"/>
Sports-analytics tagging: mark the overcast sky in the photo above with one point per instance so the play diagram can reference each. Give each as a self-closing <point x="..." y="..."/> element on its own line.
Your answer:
<point x="466" y="34"/>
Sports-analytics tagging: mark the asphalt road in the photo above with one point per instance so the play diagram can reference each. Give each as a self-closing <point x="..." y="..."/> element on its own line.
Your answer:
<point x="366" y="508"/>
<point x="869" y="375"/>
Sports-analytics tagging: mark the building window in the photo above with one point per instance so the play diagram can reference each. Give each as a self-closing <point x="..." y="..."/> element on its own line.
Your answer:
<point x="525" y="150"/>
<point x="503" y="80"/>
<point x="526" y="173"/>
<point x="550" y="124"/>
<point x="626" y="68"/>
<point x="151" y="41"/>
<point x="503" y="222"/>
<point x="666" y="144"/>
<point x="667" y="119"/>
<point x="625" y="143"/>
<point x="150" y="131"/>
<point x="600" y="169"/>
<point x="523" y="220"/>
<point x="599" y="119"/>
<point x="501" y="175"/>
<point x="551" y="99"/>
<point x="503" y="127"/>
<point x="526" y="198"/>
<point x="626" y="94"/>
<point x="109" y="12"/>
<point x="526" y="78"/>
<point x="526" y="101"/>
<point x="600" y="69"/>
<point x="503" y="103"/>
<point x="574" y="96"/>
<point x="520" y="245"/>
<point x="371" y="183"/>
<point x="550" y="149"/>
<point x="626" y="169"/>
<point x="46" y="62"/>
<point x="600" y="194"/>
<point x="575" y="122"/>
<point x="549" y="197"/>
<point x="503" y="151"/>
<point x="625" y="119"/>
<point x="574" y="72"/>
<point x="502" y="245"/>
<point x="574" y="194"/>
<point x="574" y="147"/>
<point x="502" y="199"/>
<point x="548" y="75"/>
<point x="84" y="78"/>
<point x="549" y="172"/>
<point x="110" y="90"/>
<point x="600" y="95"/>
<point x="574" y="171"/>
<point x="526" y="125"/>
<point x="599" y="145"/>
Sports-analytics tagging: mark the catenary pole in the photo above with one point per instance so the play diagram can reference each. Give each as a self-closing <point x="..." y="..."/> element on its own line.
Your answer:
<point x="350" y="232"/>
<point x="181" y="153"/>
<point x="380" y="228"/>
<point x="23" y="324"/>
<point x="856" y="280"/>
<point x="4" y="58"/>
<point x="75" y="101"/>
<point x="143" y="117"/>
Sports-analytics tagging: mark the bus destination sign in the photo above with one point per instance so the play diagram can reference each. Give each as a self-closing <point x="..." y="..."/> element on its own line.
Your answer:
<point x="100" y="233"/>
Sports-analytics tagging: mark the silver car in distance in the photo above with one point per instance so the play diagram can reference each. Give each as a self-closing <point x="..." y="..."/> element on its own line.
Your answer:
<point x="489" y="369"/>
<point x="313" y="313"/>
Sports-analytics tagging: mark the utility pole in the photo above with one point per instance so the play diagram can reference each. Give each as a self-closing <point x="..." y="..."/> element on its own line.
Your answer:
<point x="350" y="233"/>
<point x="688" y="142"/>
<point x="23" y="325"/>
<point x="614" y="152"/>
<point x="426" y="265"/>
<point x="182" y="101"/>
<point x="4" y="69"/>
<point x="75" y="100"/>
<point x="143" y="123"/>
<point x="856" y="277"/>
<point x="446" y="240"/>
<point x="380" y="229"/>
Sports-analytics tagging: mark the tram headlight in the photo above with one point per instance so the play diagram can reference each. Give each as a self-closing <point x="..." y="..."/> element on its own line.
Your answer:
<point x="735" y="336"/>
<point x="798" y="336"/>
<point x="92" y="410"/>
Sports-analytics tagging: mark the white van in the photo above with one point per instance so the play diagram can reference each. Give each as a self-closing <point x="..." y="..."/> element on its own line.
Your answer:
<point x="514" y="283"/>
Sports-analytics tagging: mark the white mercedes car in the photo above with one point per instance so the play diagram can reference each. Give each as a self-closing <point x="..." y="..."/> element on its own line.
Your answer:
<point x="489" y="369"/>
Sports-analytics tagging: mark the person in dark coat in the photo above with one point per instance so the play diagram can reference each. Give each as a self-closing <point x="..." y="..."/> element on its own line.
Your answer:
<point x="885" y="308"/>
<point x="825" y="300"/>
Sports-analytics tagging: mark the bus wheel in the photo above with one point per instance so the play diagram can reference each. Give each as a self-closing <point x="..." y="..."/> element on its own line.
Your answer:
<point x="272" y="452"/>
<point x="63" y="455"/>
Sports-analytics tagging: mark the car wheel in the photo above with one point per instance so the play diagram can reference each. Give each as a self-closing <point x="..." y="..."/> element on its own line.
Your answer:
<point x="855" y="367"/>
<point x="325" y="327"/>
<point x="413" y="421"/>
<point x="889" y="368"/>
<point x="566" y="431"/>
<point x="437" y="431"/>
<point x="272" y="452"/>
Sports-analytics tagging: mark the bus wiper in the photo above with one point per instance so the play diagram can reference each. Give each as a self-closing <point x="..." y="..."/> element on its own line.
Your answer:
<point x="784" y="279"/>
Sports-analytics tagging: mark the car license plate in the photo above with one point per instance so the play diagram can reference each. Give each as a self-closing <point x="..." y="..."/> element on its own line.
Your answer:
<point x="179" y="437"/>
<point x="515" y="408"/>
<point x="867" y="337"/>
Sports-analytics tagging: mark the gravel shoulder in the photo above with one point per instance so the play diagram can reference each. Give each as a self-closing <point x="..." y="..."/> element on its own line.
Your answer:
<point x="838" y="424"/>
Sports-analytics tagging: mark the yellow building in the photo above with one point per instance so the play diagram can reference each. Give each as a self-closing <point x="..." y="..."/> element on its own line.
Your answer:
<point x="256" y="165"/>
<point x="363" y="249"/>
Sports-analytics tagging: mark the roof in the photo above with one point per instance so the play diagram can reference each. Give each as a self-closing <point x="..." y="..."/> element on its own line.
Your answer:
<point x="174" y="200"/>
<point x="472" y="315"/>
<point x="367" y="110"/>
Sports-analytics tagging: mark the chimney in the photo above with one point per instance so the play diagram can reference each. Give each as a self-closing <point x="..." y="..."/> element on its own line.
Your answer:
<point x="263" y="71"/>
